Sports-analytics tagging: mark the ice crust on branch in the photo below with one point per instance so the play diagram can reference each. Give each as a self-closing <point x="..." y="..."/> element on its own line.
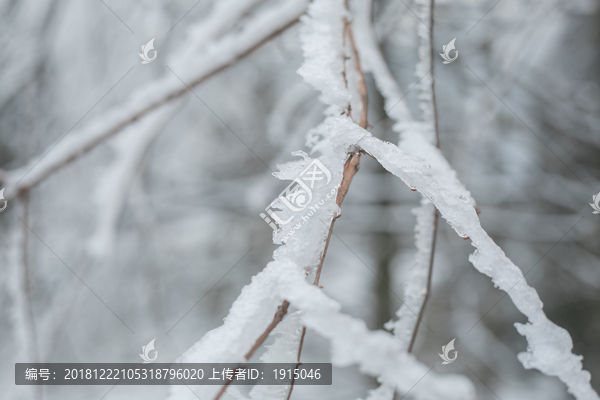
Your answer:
<point x="414" y="137"/>
<point x="423" y="70"/>
<point x="377" y="353"/>
<point x="549" y="346"/>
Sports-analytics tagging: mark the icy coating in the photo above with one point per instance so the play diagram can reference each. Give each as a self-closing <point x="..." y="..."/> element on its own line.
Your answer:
<point x="549" y="346"/>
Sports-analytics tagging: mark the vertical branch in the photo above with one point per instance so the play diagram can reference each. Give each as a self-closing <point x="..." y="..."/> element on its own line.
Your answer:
<point x="431" y="65"/>
<point x="298" y="363"/>
<point x="350" y="169"/>
<point x="435" y="211"/>
<point x="429" y="275"/>
<point x="26" y="281"/>
<point x="24" y="319"/>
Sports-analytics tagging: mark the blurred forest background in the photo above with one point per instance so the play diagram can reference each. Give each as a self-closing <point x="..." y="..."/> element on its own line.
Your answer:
<point x="163" y="230"/>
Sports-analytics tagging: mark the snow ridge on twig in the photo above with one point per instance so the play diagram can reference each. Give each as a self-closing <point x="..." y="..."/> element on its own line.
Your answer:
<point x="549" y="346"/>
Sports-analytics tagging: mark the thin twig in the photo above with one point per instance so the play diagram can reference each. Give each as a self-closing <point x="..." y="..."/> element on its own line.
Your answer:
<point x="298" y="363"/>
<point x="429" y="275"/>
<point x="350" y="169"/>
<point x="435" y="211"/>
<point x="362" y="86"/>
<point x="431" y="65"/>
<point x="281" y="312"/>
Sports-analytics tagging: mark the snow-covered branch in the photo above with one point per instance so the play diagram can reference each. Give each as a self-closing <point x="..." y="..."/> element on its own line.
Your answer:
<point x="354" y="79"/>
<point x="549" y="346"/>
<point x="377" y="353"/>
<point x="427" y="171"/>
<point x="216" y="57"/>
<point x="418" y="285"/>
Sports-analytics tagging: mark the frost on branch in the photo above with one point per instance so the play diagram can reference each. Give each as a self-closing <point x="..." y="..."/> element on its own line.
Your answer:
<point x="549" y="346"/>
<point x="416" y="136"/>
<point x="376" y="353"/>
<point x="322" y="43"/>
